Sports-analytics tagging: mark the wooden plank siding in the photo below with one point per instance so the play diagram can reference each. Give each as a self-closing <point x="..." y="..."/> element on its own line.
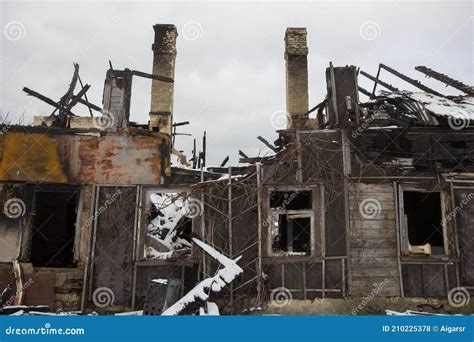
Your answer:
<point x="373" y="240"/>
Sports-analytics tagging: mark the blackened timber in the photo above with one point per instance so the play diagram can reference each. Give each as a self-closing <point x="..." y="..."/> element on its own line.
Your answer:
<point x="224" y="161"/>
<point x="270" y="146"/>
<point x="243" y="154"/>
<point x="91" y="105"/>
<point x="465" y="88"/>
<point x="412" y="81"/>
<point x="75" y="99"/>
<point x="153" y="77"/>
<point x="375" y="79"/>
<point x="85" y="95"/>
<point x="319" y="105"/>
<point x="203" y="156"/>
<point x="41" y="97"/>
<point x="194" y="154"/>
<point x="365" y="92"/>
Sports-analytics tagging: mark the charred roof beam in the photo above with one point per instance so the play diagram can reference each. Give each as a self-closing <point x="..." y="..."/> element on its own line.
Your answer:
<point x="378" y="81"/>
<point x="465" y="88"/>
<point x="410" y="80"/>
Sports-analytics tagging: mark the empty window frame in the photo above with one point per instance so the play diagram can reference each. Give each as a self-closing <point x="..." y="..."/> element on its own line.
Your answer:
<point x="54" y="228"/>
<point x="421" y="217"/>
<point x="291" y="222"/>
<point x="168" y="224"/>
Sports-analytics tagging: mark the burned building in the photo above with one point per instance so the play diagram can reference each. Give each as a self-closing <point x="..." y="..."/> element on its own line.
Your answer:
<point x="358" y="200"/>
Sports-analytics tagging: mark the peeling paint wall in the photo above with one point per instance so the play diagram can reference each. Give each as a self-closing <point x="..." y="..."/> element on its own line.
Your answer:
<point x="84" y="158"/>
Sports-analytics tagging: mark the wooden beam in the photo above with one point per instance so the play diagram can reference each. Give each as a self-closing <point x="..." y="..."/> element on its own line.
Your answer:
<point x="412" y="81"/>
<point x="386" y="85"/>
<point x="465" y="88"/>
<point x="153" y="77"/>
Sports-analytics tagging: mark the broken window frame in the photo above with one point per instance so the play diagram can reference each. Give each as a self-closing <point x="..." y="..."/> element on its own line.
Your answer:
<point x="145" y="207"/>
<point x="314" y="214"/>
<point x="403" y="226"/>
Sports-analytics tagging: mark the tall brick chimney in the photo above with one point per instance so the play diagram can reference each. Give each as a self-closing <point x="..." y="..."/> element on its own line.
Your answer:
<point x="296" y="52"/>
<point x="164" y="56"/>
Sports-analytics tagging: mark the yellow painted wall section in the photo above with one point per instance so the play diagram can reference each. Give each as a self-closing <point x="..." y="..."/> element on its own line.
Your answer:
<point x="30" y="157"/>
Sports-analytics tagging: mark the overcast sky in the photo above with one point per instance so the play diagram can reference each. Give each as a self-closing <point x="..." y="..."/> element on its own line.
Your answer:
<point x="230" y="67"/>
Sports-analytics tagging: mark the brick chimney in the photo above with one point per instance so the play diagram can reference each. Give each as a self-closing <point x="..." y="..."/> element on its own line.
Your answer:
<point x="296" y="52"/>
<point x="164" y="56"/>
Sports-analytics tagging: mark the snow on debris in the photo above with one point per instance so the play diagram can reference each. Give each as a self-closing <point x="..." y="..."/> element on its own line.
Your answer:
<point x="414" y="313"/>
<point x="160" y="281"/>
<point x="210" y="309"/>
<point x="216" y="283"/>
<point x="440" y="106"/>
<point x="163" y="229"/>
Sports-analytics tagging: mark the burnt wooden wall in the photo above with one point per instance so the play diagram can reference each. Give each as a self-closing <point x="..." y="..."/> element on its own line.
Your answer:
<point x="113" y="243"/>
<point x="465" y="228"/>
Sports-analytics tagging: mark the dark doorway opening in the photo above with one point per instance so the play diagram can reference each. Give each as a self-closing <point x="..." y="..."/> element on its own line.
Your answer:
<point x="54" y="227"/>
<point x="423" y="217"/>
